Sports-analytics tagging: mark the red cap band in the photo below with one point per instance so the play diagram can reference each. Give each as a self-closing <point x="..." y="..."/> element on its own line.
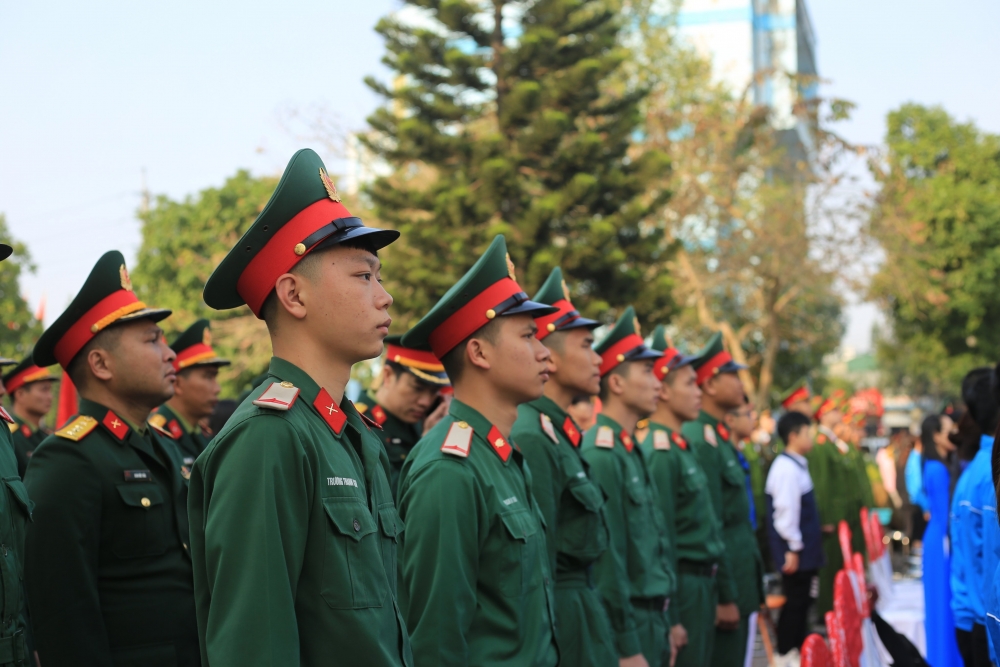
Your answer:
<point x="28" y="375"/>
<point x="824" y="407"/>
<point x="192" y="355"/>
<point x="800" y="394"/>
<point x="471" y="317"/>
<point x="615" y="354"/>
<point x="660" y="367"/>
<point x="278" y="256"/>
<point x="543" y="322"/>
<point x="712" y="365"/>
<point x="425" y="361"/>
<point x="108" y="310"/>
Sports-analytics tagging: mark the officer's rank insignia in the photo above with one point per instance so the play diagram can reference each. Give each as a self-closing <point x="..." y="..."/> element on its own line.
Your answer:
<point x="279" y="396"/>
<point x="6" y="417"/>
<point x="571" y="431"/>
<point x="458" y="440"/>
<point x="157" y="420"/>
<point x="547" y="427"/>
<point x="78" y="428"/>
<point x="680" y="441"/>
<point x="13" y="427"/>
<point x="331" y="189"/>
<point x="159" y="429"/>
<point x="329" y="411"/>
<point x="710" y="436"/>
<point x="605" y="438"/>
<point x="185" y="472"/>
<point x="661" y="441"/>
<point x="125" y="280"/>
<point x="627" y="441"/>
<point x="361" y="408"/>
<point x="510" y="268"/>
<point x="206" y="336"/>
<point x="499" y="444"/>
<point x="724" y="432"/>
<point x="116" y="425"/>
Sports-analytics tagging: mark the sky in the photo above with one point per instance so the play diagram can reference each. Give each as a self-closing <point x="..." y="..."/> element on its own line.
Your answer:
<point x="100" y="100"/>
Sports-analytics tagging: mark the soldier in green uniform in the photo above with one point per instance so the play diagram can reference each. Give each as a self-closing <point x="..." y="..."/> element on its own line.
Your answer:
<point x="402" y="403"/>
<point x="571" y="503"/>
<point x="687" y="506"/>
<point x="727" y="473"/>
<point x="635" y="575"/>
<point x="108" y="573"/>
<point x="195" y="393"/>
<point x="293" y="526"/>
<point x="477" y="588"/>
<point x="30" y="389"/>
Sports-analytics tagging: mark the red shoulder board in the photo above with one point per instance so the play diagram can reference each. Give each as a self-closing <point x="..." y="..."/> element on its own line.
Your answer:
<point x="378" y="415"/>
<point x="680" y="441"/>
<point x="6" y="417"/>
<point x="330" y="411"/>
<point x="499" y="444"/>
<point x="116" y="425"/>
<point x="571" y="431"/>
<point x="723" y="431"/>
<point x="369" y="421"/>
<point x="627" y="441"/>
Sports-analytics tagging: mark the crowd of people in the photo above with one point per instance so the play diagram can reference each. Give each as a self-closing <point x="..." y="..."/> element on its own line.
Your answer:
<point x="511" y="490"/>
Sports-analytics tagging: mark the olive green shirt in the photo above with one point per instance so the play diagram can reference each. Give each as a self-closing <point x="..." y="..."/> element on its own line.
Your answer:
<point x="475" y="572"/>
<point x="108" y="572"/>
<point x="637" y="564"/>
<point x="15" y="515"/>
<point x="293" y="536"/>
<point x="26" y="438"/>
<point x="398" y="437"/>
<point x="190" y="440"/>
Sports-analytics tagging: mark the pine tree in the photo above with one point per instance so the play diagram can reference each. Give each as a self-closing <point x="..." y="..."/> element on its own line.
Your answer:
<point x="515" y="117"/>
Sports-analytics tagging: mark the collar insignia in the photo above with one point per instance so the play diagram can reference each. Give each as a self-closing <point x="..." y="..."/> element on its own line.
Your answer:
<point x="499" y="444"/>
<point x="330" y="411"/>
<point x="571" y="431"/>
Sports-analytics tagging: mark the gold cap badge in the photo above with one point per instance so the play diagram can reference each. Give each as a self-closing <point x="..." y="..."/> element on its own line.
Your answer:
<point x="510" y="268"/>
<point x="331" y="189"/>
<point x="565" y="291"/>
<point x="206" y="336"/>
<point x="126" y="281"/>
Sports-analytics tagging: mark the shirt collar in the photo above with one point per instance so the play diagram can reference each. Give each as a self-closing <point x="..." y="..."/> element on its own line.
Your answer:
<point x="481" y="426"/>
<point x="549" y="407"/>
<point x="797" y="457"/>
<point x="986" y="443"/>
<point x="98" y="412"/>
<point x="282" y="370"/>
<point x="706" y="418"/>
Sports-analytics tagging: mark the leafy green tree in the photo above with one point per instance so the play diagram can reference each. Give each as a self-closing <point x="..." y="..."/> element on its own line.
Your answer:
<point x="182" y="243"/>
<point x="937" y="219"/>
<point x="515" y="117"/>
<point x="18" y="327"/>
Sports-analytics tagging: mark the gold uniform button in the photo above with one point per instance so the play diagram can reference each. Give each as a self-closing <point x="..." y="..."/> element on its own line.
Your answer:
<point x="463" y="424"/>
<point x="145" y="502"/>
<point x="621" y="358"/>
<point x="551" y="327"/>
<point x="299" y="249"/>
<point x="490" y="314"/>
<point x="287" y="385"/>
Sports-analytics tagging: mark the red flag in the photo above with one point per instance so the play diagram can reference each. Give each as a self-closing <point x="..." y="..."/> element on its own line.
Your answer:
<point x="68" y="404"/>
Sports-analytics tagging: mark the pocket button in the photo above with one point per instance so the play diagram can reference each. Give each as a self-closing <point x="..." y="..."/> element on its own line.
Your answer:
<point x="357" y="526"/>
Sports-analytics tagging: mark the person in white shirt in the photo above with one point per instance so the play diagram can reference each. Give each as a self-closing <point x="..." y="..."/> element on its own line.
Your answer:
<point x="793" y="530"/>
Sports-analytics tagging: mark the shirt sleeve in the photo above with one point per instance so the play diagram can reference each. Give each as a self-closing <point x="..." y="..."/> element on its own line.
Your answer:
<point x="546" y="482"/>
<point x="786" y="503"/>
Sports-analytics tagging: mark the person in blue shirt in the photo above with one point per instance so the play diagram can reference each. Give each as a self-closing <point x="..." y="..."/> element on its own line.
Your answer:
<point x="974" y="530"/>
<point x="914" y="480"/>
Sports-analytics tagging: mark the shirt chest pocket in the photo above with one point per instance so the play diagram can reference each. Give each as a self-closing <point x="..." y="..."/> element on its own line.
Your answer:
<point x="732" y="473"/>
<point x="582" y="531"/>
<point x="353" y="571"/>
<point x="520" y="567"/>
<point x="141" y="526"/>
<point x="693" y="480"/>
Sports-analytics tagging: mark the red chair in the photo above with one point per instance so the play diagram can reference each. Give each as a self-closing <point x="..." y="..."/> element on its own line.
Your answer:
<point x="835" y="634"/>
<point x="866" y="528"/>
<point x="815" y="652"/>
<point x="844" y="533"/>
<point x="858" y="563"/>
<point x="877" y="535"/>
<point x="845" y="606"/>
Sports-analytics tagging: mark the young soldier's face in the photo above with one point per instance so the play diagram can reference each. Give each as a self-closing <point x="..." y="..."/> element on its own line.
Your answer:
<point x="727" y="389"/>
<point x="641" y="389"/>
<point x="520" y="363"/>
<point x="141" y="365"/>
<point x="198" y="389"/>
<point x="35" y="398"/>
<point x="577" y="366"/>
<point x="682" y="393"/>
<point x="406" y="397"/>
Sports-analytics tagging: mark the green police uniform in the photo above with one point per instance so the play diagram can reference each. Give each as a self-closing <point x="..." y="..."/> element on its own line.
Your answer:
<point x="293" y="528"/>
<point x="694" y="528"/>
<point x="743" y="569"/>
<point x="571" y="504"/>
<point x="635" y="575"/>
<point x="108" y="573"/>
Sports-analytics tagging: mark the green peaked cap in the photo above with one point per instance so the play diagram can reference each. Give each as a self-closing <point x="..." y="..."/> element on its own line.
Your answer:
<point x="105" y="299"/>
<point x="194" y="347"/>
<point x="713" y="359"/>
<point x="415" y="362"/>
<point x="673" y="358"/>
<point x="303" y="215"/>
<point x="487" y="290"/>
<point x="623" y="343"/>
<point x="30" y="373"/>
<point x="800" y="391"/>
<point x="554" y="292"/>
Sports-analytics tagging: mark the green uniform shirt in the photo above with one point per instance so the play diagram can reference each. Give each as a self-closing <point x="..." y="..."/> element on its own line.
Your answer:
<point x="474" y="565"/>
<point x="742" y="569"/>
<point x="26" y="439"/>
<point x="637" y="563"/>
<point x="108" y="573"/>
<point x="398" y="437"/>
<point x="293" y="536"/>
<point x="190" y="440"/>
<point x="16" y="510"/>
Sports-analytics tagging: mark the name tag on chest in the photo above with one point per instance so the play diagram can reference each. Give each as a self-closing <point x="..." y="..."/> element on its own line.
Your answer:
<point x="341" y="481"/>
<point x="138" y="476"/>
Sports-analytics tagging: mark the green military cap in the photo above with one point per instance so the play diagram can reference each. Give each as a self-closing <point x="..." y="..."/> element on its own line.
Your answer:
<point x="713" y="359"/>
<point x="7" y="361"/>
<point x="623" y="343"/>
<point x="488" y="290"/>
<point x="24" y="373"/>
<point x="194" y="348"/>
<point x="799" y="391"/>
<point x="106" y="298"/>
<point x="672" y="359"/>
<point x="554" y="292"/>
<point x="303" y="215"/>
<point x="422" y="364"/>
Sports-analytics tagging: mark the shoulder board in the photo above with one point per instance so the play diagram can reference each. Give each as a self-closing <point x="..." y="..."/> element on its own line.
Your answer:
<point x="605" y="438"/>
<point x="458" y="440"/>
<point x="361" y="408"/>
<point x="13" y="427"/>
<point x="6" y="417"/>
<point x="661" y="440"/>
<point x="157" y="420"/>
<point x="159" y="429"/>
<point x="369" y="421"/>
<point x="710" y="436"/>
<point x="548" y="428"/>
<point x="279" y="396"/>
<point x="78" y="428"/>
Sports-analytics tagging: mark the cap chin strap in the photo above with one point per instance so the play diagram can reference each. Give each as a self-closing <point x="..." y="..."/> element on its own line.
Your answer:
<point x="326" y="231"/>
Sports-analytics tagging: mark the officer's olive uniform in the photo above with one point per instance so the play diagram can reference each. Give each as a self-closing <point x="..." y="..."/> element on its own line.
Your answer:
<point x="15" y="514"/>
<point x="293" y="535"/>
<point x="727" y="485"/>
<point x="697" y="538"/>
<point x="634" y="575"/>
<point x="25" y="438"/>
<point x="398" y="437"/>
<point x="190" y="440"/>
<point x="576" y="530"/>
<point x="474" y="564"/>
<point x="108" y="572"/>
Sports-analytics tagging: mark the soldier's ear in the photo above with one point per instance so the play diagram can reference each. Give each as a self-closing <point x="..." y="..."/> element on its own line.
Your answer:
<point x="100" y="363"/>
<point x="288" y="290"/>
<point x="616" y="384"/>
<point x="477" y="353"/>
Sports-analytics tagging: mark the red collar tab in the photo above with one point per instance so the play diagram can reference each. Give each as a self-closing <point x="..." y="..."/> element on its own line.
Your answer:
<point x="378" y="415"/>
<point x="800" y="394"/>
<point x="552" y="323"/>
<point x="28" y="375"/>
<point x="679" y="440"/>
<point x="25" y="430"/>
<point x="472" y="316"/>
<point x="662" y="365"/>
<point x="330" y="411"/>
<point x="712" y="366"/>
<point x="627" y="441"/>
<point x="571" y="431"/>
<point x="107" y="311"/>
<point x="615" y="354"/>
<point x="116" y="425"/>
<point x="425" y="361"/>
<point x="194" y="354"/>
<point x="175" y="429"/>
<point x="723" y="431"/>
<point x="499" y="444"/>
<point x="6" y="417"/>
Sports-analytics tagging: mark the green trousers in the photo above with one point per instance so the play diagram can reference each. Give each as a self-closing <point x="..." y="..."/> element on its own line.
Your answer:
<point x="653" y="630"/>
<point x="731" y="646"/>
<point x="834" y="563"/>
<point x="583" y="628"/>
<point x="697" y="597"/>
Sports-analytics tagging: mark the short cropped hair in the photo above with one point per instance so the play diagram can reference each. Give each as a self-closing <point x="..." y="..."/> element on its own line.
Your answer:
<point x="454" y="360"/>
<point x="78" y="368"/>
<point x="790" y="423"/>
<point x="621" y="370"/>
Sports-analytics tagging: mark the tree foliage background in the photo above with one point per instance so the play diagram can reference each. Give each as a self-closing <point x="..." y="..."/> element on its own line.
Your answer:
<point x="18" y="327"/>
